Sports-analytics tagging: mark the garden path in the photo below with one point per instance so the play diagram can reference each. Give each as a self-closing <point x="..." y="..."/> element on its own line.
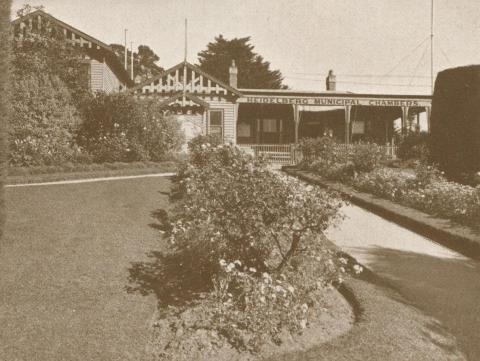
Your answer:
<point x="441" y="282"/>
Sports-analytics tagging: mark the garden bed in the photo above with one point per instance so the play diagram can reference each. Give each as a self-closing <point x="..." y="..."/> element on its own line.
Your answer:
<point x="461" y="238"/>
<point x="248" y="272"/>
<point x="18" y="175"/>
<point x="188" y="335"/>
<point x="363" y="167"/>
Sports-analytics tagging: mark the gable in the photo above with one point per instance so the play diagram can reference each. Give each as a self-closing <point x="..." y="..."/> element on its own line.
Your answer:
<point x="186" y="78"/>
<point x="41" y="22"/>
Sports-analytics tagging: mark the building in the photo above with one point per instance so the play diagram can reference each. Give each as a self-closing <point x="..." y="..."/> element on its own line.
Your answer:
<point x="206" y="105"/>
<point x="105" y="70"/>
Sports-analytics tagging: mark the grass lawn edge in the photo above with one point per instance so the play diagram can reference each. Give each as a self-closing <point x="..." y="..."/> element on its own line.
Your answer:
<point x="166" y="167"/>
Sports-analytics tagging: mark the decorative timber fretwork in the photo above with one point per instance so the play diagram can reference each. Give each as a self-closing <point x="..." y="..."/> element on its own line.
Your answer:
<point x="190" y="100"/>
<point x="185" y="82"/>
<point x="40" y="22"/>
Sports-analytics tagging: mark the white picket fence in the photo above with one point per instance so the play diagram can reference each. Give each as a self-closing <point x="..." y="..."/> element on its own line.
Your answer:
<point x="282" y="154"/>
<point x="390" y="150"/>
<point x="287" y="154"/>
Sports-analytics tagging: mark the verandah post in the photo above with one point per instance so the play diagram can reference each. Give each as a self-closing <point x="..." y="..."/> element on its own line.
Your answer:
<point x="428" y="112"/>
<point x="405" y="111"/>
<point x="347" y="123"/>
<point x="296" y="120"/>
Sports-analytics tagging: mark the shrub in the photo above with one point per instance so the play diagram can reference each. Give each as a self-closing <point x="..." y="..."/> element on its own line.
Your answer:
<point x="117" y="127"/>
<point x="387" y="183"/>
<point x="426" y="174"/>
<point x="450" y="200"/>
<point x="414" y="146"/>
<point x="455" y="123"/>
<point x="47" y="82"/>
<point x="366" y="156"/>
<point x="253" y="211"/>
<point x="338" y="162"/>
<point x="425" y="190"/>
<point x="255" y="240"/>
<point x="317" y="148"/>
<point x="197" y="157"/>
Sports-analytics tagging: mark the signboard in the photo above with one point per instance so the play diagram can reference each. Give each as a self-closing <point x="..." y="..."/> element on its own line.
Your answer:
<point x="336" y="101"/>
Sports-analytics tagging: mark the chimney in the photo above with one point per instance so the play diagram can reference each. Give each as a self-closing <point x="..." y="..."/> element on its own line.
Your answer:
<point x="331" y="81"/>
<point x="233" y="80"/>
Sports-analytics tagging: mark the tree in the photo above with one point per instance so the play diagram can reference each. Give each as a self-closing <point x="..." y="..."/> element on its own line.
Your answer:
<point x="455" y="123"/>
<point x="27" y="9"/>
<point x="253" y="71"/>
<point x="144" y="60"/>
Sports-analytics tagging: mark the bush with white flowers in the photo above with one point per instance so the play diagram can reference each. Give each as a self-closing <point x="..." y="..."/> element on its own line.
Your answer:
<point x="255" y="240"/>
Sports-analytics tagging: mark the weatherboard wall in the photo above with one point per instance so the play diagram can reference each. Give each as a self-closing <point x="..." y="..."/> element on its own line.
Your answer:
<point x="102" y="78"/>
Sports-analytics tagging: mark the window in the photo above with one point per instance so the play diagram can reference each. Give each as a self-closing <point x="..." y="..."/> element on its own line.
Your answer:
<point x="216" y="123"/>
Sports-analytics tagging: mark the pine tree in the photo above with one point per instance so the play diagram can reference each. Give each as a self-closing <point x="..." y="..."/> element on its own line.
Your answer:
<point x="253" y="71"/>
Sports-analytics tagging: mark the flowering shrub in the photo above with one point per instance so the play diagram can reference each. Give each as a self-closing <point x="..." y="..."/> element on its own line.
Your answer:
<point x="198" y="157"/>
<point x="384" y="182"/>
<point x="56" y="120"/>
<point x="255" y="239"/>
<point x="315" y="148"/>
<point x="425" y="190"/>
<point x="253" y="308"/>
<point x="48" y="82"/>
<point x="238" y="209"/>
<point x="43" y="122"/>
<point x="447" y="199"/>
<point x="414" y="146"/>
<point x="117" y="127"/>
<point x="366" y="156"/>
<point x="337" y="162"/>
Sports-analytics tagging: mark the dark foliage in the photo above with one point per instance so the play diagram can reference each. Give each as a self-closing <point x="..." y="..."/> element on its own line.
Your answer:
<point x="4" y="96"/>
<point x="144" y="60"/>
<point x="50" y="83"/>
<point x="455" y="125"/>
<point x="414" y="146"/>
<point x="253" y="71"/>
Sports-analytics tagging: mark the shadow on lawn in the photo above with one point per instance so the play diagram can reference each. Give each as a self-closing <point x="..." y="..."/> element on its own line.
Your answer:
<point x="164" y="274"/>
<point x="445" y="288"/>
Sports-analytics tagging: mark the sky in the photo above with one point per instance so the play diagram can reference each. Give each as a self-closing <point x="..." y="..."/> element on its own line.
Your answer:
<point x="373" y="46"/>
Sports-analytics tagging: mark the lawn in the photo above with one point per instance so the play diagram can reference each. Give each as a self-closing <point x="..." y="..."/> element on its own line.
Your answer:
<point x="64" y="263"/>
<point x="66" y="260"/>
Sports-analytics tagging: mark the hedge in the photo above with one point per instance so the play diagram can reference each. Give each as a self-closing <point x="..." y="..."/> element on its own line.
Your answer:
<point x="455" y="124"/>
<point x="4" y="92"/>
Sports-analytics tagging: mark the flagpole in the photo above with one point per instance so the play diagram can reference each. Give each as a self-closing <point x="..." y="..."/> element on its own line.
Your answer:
<point x="186" y="27"/>
<point x="125" y="50"/>
<point x="131" y="59"/>
<point x="431" y="47"/>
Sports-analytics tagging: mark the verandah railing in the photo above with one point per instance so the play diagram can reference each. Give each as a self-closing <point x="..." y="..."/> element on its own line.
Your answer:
<point x="283" y="154"/>
<point x="288" y="154"/>
<point x="389" y="150"/>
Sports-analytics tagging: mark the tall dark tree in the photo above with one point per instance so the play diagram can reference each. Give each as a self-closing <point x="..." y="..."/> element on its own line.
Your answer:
<point x="144" y="61"/>
<point x="253" y="71"/>
<point x="5" y="6"/>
